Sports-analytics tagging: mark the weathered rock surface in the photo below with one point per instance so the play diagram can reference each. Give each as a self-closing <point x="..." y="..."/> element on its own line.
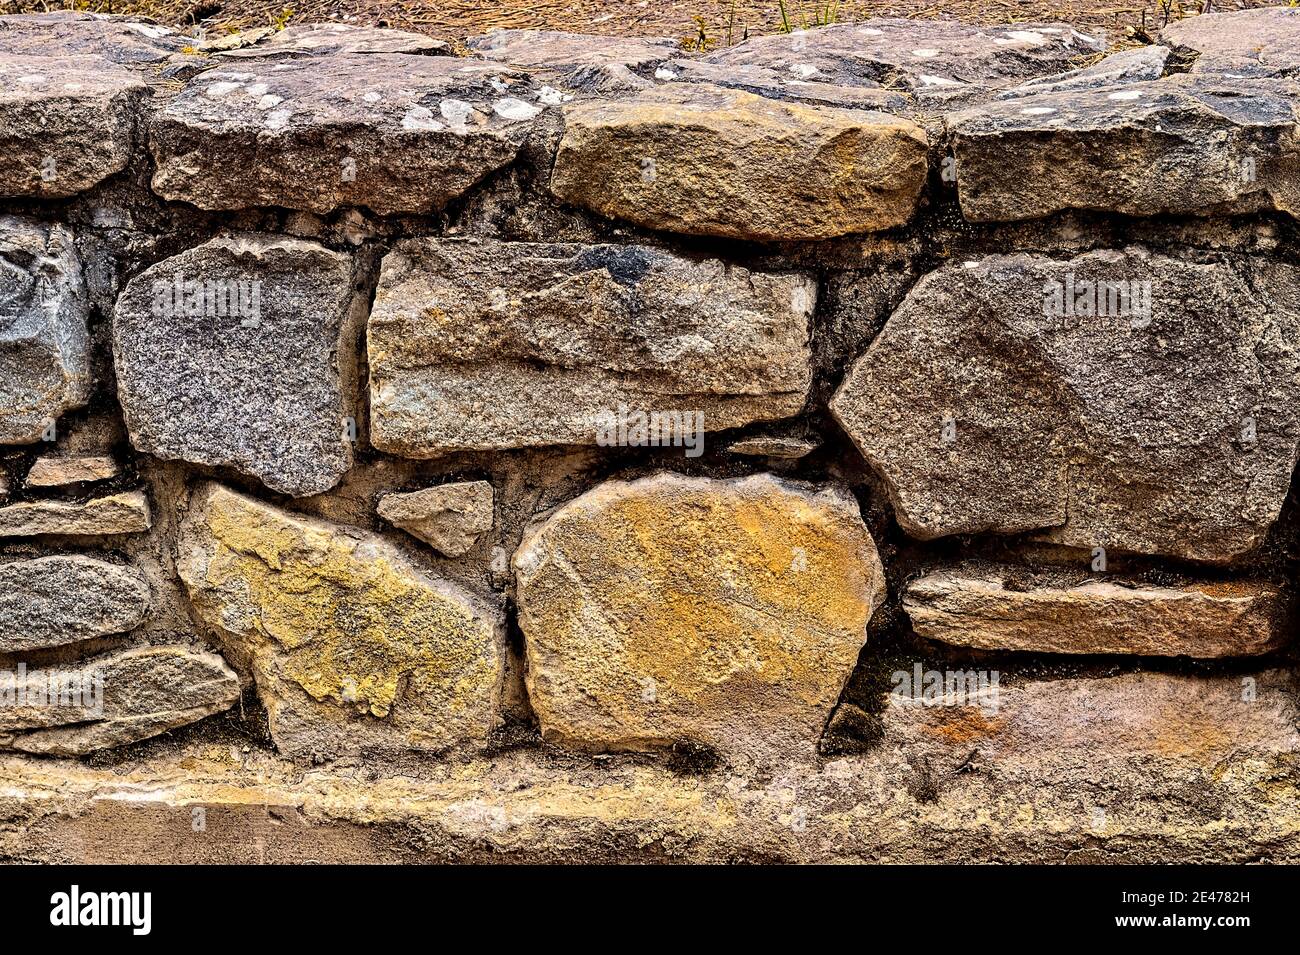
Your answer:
<point x="66" y="123"/>
<point x="1250" y="43"/>
<point x="333" y="39"/>
<point x="353" y="648"/>
<point x="500" y="345"/>
<point x="775" y="84"/>
<point x="997" y="608"/>
<point x="117" y="39"/>
<point x="1181" y="145"/>
<point x="126" y="513"/>
<point x="395" y="133"/>
<point x="704" y="160"/>
<point x="1157" y="427"/>
<point x="669" y="609"/>
<point x="1063" y="730"/>
<point x="575" y="61"/>
<point x="1142" y="64"/>
<point x="773" y="446"/>
<point x="449" y="517"/>
<point x="237" y="354"/>
<point x="117" y="699"/>
<point x="49" y="601"/>
<point x="926" y="57"/>
<point x="61" y="470"/>
<point x="44" y="341"/>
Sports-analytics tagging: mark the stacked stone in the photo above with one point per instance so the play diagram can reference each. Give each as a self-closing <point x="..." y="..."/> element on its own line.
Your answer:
<point x="310" y="340"/>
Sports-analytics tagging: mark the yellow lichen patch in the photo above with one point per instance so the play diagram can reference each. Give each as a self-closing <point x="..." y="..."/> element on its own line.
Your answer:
<point x="342" y="616"/>
<point x="675" y="607"/>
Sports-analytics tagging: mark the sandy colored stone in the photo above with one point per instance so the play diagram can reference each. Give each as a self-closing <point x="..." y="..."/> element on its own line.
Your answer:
<point x="449" y="517"/>
<point x="1180" y="145"/>
<point x="44" y="340"/>
<point x="240" y="353"/>
<point x="353" y="648"/>
<point x="1169" y="432"/>
<point x="62" y="470"/>
<point x="118" y="699"/>
<point x="703" y="160"/>
<point x="391" y="132"/>
<point x="670" y="609"/>
<point x="995" y="608"/>
<point x="1136" y="768"/>
<point x="50" y="601"/>
<point x="66" y="122"/>
<point x="1064" y="729"/>
<point x="773" y="446"/>
<point x="126" y="513"/>
<point x="504" y="345"/>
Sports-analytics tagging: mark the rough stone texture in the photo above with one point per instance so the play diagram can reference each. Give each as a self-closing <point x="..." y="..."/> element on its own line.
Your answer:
<point x="670" y="609"/>
<point x="1142" y="768"/>
<point x="776" y="84"/>
<point x="145" y="691"/>
<point x="392" y="132"/>
<point x="66" y="123"/>
<point x="353" y="648"/>
<point x="704" y="160"/>
<point x="333" y="39"/>
<point x="44" y="342"/>
<point x="51" y="601"/>
<point x="493" y="345"/>
<point x="1250" y="43"/>
<point x="117" y="39"/>
<point x="997" y="608"/>
<point x="576" y="61"/>
<point x="773" y="447"/>
<point x="126" y="513"/>
<point x="62" y="470"/>
<point x="1174" y="434"/>
<point x="258" y="378"/>
<point x="939" y="58"/>
<point x="450" y="517"/>
<point x="1182" y="145"/>
<point x="1145" y="63"/>
<point x="1073" y="732"/>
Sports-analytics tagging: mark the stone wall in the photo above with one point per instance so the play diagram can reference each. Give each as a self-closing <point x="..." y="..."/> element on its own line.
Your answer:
<point x="868" y="444"/>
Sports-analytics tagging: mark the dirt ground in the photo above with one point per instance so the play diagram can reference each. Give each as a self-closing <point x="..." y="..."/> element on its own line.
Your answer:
<point x="713" y="22"/>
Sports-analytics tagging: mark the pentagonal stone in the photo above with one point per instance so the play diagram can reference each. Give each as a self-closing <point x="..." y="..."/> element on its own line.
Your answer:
<point x="395" y="133"/>
<point x="704" y="160"/>
<point x="675" y="609"/>
<point x="502" y="345"/>
<point x="353" y="647"/>
<point x="236" y="353"/>
<point x="1117" y="399"/>
<point x="44" y="342"/>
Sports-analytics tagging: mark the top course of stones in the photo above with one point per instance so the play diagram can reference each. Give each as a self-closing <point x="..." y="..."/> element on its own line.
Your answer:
<point x="791" y="137"/>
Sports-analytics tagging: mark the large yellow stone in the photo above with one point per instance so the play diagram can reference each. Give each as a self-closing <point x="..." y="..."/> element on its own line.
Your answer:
<point x="727" y="613"/>
<point x="704" y="160"/>
<point x="353" y="648"/>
